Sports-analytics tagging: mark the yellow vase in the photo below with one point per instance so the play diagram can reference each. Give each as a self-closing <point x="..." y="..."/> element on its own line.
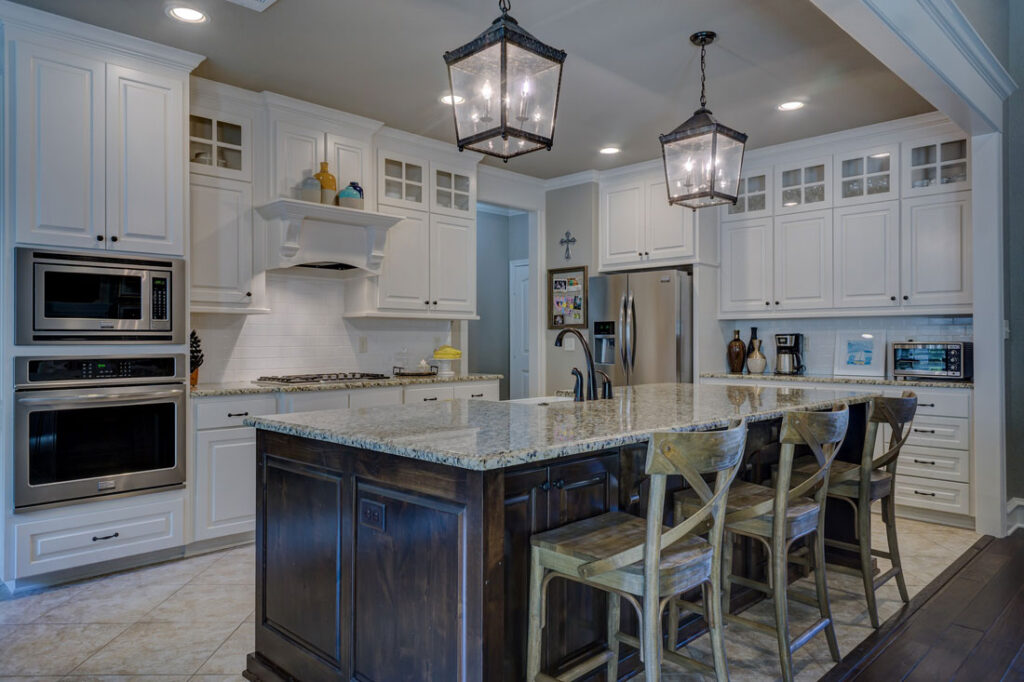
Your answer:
<point x="327" y="181"/>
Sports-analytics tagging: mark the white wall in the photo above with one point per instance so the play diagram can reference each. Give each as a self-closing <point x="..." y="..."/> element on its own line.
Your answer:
<point x="820" y="335"/>
<point x="305" y="332"/>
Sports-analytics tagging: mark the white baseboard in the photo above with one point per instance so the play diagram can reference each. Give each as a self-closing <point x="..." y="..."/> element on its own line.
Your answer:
<point x="1014" y="514"/>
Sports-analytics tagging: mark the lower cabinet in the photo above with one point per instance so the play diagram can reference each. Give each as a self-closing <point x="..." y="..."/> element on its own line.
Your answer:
<point x="225" y="466"/>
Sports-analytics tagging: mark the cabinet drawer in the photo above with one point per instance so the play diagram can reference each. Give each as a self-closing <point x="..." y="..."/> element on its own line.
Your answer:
<point x="216" y="413"/>
<point x="77" y="539"/>
<point x="310" y="401"/>
<point x="940" y="432"/>
<point x="372" y="397"/>
<point x="428" y="394"/>
<point x="954" y="498"/>
<point x="940" y="463"/>
<point x="943" y="403"/>
<point x="482" y="391"/>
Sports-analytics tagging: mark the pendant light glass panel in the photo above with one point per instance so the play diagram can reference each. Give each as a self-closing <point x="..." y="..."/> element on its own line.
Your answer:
<point x="703" y="170"/>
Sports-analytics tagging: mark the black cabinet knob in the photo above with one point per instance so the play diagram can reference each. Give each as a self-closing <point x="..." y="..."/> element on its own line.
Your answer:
<point x="906" y="298"/>
<point x="545" y="486"/>
<point x="114" y="238"/>
<point x="426" y="303"/>
<point x="767" y="302"/>
<point x="892" y="298"/>
<point x="647" y="253"/>
<point x="99" y="237"/>
<point x="435" y="302"/>
<point x="640" y="253"/>
<point x="560" y="483"/>
<point x="776" y="303"/>
<point x="249" y="294"/>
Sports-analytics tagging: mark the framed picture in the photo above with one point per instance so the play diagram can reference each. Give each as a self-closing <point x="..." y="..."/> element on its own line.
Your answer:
<point x="860" y="354"/>
<point x="567" y="297"/>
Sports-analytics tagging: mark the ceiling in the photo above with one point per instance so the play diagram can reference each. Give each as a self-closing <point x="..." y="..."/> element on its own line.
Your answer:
<point x="630" y="75"/>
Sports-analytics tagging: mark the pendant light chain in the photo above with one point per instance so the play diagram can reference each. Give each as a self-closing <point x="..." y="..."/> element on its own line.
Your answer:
<point x="703" y="51"/>
<point x="504" y="6"/>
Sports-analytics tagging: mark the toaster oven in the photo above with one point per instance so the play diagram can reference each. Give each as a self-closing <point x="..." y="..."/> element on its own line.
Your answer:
<point x="953" y="361"/>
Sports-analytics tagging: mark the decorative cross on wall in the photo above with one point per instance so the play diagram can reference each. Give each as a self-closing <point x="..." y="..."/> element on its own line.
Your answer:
<point x="567" y="241"/>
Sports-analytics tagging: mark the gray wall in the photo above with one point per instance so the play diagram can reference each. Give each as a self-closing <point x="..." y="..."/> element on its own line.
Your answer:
<point x="519" y="236"/>
<point x="990" y="19"/>
<point x="1013" y="235"/>
<point x="572" y="209"/>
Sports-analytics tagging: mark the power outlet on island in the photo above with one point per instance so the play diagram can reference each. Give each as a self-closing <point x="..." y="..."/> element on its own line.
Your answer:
<point x="372" y="514"/>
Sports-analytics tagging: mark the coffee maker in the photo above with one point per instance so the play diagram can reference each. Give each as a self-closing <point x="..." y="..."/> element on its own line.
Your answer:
<point x="789" y="353"/>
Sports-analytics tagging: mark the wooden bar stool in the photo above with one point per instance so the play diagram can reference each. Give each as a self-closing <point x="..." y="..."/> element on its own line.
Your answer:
<point x="873" y="479"/>
<point x="779" y="516"/>
<point x="640" y="560"/>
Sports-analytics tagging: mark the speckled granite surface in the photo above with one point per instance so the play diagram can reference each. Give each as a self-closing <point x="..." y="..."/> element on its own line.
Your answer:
<point x="831" y="379"/>
<point x="249" y="388"/>
<point x="482" y="435"/>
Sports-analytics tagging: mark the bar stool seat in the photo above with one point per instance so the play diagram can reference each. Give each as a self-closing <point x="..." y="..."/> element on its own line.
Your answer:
<point x="801" y="514"/>
<point x="844" y="479"/>
<point x="684" y="564"/>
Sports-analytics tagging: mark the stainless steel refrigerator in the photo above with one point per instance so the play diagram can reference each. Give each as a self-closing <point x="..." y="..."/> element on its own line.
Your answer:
<point x="641" y="326"/>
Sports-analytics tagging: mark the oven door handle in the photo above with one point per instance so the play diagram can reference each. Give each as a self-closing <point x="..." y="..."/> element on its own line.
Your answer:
<point x="103" y="397"/>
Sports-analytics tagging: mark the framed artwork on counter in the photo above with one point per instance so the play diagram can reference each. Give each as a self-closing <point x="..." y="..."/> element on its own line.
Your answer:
<point x="860" y="354"/>
<point x="567" y="297"/>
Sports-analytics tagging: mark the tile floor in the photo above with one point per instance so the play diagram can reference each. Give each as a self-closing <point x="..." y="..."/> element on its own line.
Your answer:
<point x="193" y="619"/>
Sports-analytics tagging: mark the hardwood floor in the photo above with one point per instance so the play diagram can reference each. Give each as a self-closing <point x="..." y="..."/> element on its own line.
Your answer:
<point x="968" y="624"/>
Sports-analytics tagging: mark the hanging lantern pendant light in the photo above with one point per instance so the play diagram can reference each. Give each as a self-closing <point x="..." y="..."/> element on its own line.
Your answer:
<point x="702" y="157"/>
<point x="504" y="90"/>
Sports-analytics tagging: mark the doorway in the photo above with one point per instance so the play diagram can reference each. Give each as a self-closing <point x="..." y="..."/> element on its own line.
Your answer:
<point x="519" y="329"/>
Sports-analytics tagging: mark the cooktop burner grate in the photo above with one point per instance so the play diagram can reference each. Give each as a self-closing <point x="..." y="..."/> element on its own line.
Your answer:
<point x="327" y="377"/>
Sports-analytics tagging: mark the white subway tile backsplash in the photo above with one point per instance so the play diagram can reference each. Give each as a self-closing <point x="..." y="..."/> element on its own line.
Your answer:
<point x="306" y="331"/>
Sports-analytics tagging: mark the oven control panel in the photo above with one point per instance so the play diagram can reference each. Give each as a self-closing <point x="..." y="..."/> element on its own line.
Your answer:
<point x="160" y="286"/>
<point x="50" y="370"/>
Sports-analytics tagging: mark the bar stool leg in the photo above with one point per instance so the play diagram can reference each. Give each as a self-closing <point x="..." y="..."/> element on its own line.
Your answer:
<point x="614" y="619"/>
<point x="652" y="638"/>
<point x="673" y="624"/>
<point x="821" y="585"/>
<point x="889" y="518"/>
<point x="727" y="542"/>
<point x="536" y="607"/>
<point x="779" y="570"/>
<point x="715" y="621"/>
<point x="866" y="571"/>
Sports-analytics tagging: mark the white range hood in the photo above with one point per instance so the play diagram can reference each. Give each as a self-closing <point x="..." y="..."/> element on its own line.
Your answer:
<point x="305" y="233"/>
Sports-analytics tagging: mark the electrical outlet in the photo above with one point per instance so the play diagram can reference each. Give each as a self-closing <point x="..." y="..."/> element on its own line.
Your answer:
<point x="569" y="342"/>
<point x="371" y="514"/>
<point x="361" y="344"/>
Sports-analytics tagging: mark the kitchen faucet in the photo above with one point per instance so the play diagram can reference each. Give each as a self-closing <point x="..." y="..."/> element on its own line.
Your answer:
<point x="591" y="374"/>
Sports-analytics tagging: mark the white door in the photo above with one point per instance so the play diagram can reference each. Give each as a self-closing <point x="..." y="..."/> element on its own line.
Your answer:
<point x="225" y="482"/>
<point x="803" y="261"/>
<point x="669" y="228"/>
<point x="622" y="224"/>
<point x="349" y="160"/>
<point x="746" y="273"/>
<point x="405" y="272"/>
<point x="452" y="264"/>
<point x="866" y="255"/>
<point x="221" y="244"/>
<point x="145" y="162"/>
<point x="58" y="172"/>
<point x="298" y="152"/>
<point x="519" y="329"/>
<point x="935" y="239"/>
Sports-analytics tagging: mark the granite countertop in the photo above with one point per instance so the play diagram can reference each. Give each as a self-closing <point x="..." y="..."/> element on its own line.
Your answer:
<point x="483" y="435"/>
<point x="249" y="388"/>
<point x="832" y="379"/>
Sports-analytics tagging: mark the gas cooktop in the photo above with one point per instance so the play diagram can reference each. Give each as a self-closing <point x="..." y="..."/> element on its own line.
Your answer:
<point x="325" y="378"/>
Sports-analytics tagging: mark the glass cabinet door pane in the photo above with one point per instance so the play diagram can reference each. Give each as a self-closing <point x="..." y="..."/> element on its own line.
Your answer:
<point x="790" y="178"/>
<point x="878" y="163"/>
<point x="393" y="189"/>
<point x="923" y="177"/>
<point x="756" y="183"/>
<point x="853" y="188"/>
<point x="414" y="193"/>
<point x="954" y="172"/>
<point x="814" y="174"/>
<point x="738" y="207"/>
<point x="878" y="184"/>
<point x="462" y="183"/>
<point x="444" y="179"/>
<point x="200" y="152"/>
<point x="922" y="156"/>
<point x="755" y="202"/>
<point x="814" y="193"/>
<point x="393" y="169"/>
<point x="954" y="151"/>
<point x="199" y="126"/>
<point x="413" y="173"/>
<point x="444" y="198"/>
<point x="229" y="158"/>
<point x="230" y="133"/>
<point x="853" y="168"/>
<point x="791" y="197"/>
<point x="462" y="202"/>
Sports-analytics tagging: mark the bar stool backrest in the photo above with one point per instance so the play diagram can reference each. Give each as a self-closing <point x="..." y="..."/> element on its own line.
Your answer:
<point x="689" y="454"/>
<point x="899" y="414"/>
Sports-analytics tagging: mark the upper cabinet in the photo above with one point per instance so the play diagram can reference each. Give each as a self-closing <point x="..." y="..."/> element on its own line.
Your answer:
<point x="98" y="158"/>
<point x="803" y="185"/>
<point x="452" y="191"/>
<point x="746" y="274"/>
<point x="869" y="175"/>
<point x="935" y="247"/>
<point x="220" y="145"/>
<point x="866" y="258"/>
<point x="221" y="244"/>
<point x="754" y="196"/>
<point x="803" y="261"/>
<point x="403" y="181"/>
<point x="935" y="165"/>
<point x="637" y="226"/>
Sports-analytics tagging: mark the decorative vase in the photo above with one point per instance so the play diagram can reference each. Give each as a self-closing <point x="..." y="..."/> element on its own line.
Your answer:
<point x="756" y="361"/>
<point x="309" y="189"/>
<point x="328" y="184"/>
<point x="351" y="196"/>
<point x="736" y="352"/>
<point x="753" y="337"/>
<point x="193" y="377"/>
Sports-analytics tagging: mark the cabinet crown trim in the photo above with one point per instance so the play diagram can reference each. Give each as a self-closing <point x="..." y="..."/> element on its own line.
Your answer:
<point x="357" y="126"/>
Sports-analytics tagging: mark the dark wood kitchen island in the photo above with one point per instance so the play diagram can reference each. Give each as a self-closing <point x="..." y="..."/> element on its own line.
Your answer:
<point x="392" y="543"/>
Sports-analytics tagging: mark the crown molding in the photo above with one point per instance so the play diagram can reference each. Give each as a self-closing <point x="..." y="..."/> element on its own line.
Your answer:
<point x="290" y="105"/>
<point x="572" y="179"/>
<point x="55" y="26"/>
<point x="466" y="157"/>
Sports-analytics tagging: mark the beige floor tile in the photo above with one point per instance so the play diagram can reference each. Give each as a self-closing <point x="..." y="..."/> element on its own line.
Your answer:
<point x="106" y="603"/>
<point x="28" y="678"/>
<point x="125" y="678"/>
<point x="217" y="678"/>
<point x="229" y="570"/>
<point x="205" y="603"/>
<point x="48" y="649"/>
<point x="29" y="607"/>
<point x="158" y="648"/>
<point x="230" y="657"/>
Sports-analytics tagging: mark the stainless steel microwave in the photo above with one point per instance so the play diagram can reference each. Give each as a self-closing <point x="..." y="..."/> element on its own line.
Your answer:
<point x="83" y="297"/>
<point x="952" y="361"/>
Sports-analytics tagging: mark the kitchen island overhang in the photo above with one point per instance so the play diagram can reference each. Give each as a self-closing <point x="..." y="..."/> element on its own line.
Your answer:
<point x="392" y="543"/>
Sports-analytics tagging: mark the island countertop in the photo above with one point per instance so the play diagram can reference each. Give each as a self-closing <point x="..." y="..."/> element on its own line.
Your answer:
<point x="483" y="435"/>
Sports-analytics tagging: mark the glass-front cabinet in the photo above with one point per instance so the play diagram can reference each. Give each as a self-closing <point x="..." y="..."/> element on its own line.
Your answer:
<point x="754" y="196"/>
<point x="867" y="175"/>
<point x="453" y="191"/>
<point x="219" y="146"/>
<point x="803" y="186"/>
<point x="936" y="165"/>
<point x="402" y="181"/>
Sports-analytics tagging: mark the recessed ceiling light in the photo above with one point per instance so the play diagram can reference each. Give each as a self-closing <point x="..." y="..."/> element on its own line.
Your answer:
<point x="449" y="99"/>
<point x="187" y="14"/>
<point x="791" y="106"/>
<point x="610" y="150"/>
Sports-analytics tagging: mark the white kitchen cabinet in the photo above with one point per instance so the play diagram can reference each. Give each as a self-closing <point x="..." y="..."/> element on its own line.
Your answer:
<point x="935" y="248"/>
<point x="934" y="495"/>
<point x="402" y="181"/>
<point x="405" y="272"/>
<point x="298" y="151"/>
<point x="803" y="185"/>
<point x="933" y="165"/>
<point x="428" y="394"/>
<point x="348" y="159"/>
<point x="219" y="145"/>
<point x="225" y="475"/>
<point x="747" y="266"/>
<point x="59" y="177"/>
<point x="754" y="197"/>
<point x="375" y="397"/>
<point x="483" y="390"/>
<point x="452" y="264"/>
<point x="221" y="246"/>
<point x="452" y="191"/>
<point x="638" y="227"/>
<point x="145" y="162"/>
<point x="310" y="401"/>
<point x="867" y="175"/>
<point x="670" y="233"/>
<point x="622" y="219"/>
<point x="803" y="261"/>
<point x="866" y="255"/>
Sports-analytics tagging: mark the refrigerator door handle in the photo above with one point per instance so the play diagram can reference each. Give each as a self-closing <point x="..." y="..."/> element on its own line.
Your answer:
<point x="631" y="314"/>
<point x="621" y="336"/>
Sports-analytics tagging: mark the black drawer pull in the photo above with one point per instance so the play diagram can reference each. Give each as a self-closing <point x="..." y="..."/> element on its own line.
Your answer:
<point x="926" y="404"/>
<point x="105" y="537"/>
<point x="428" y="399"/>
<point x="545" y="486"/>
<point x="560" y="483"/>
<point x="918" y="492"/>
<point x="238" y="414"/>
<point x="924" y="461"/>
<point x="476" y="395"/>
<point x="924" y="430"/>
